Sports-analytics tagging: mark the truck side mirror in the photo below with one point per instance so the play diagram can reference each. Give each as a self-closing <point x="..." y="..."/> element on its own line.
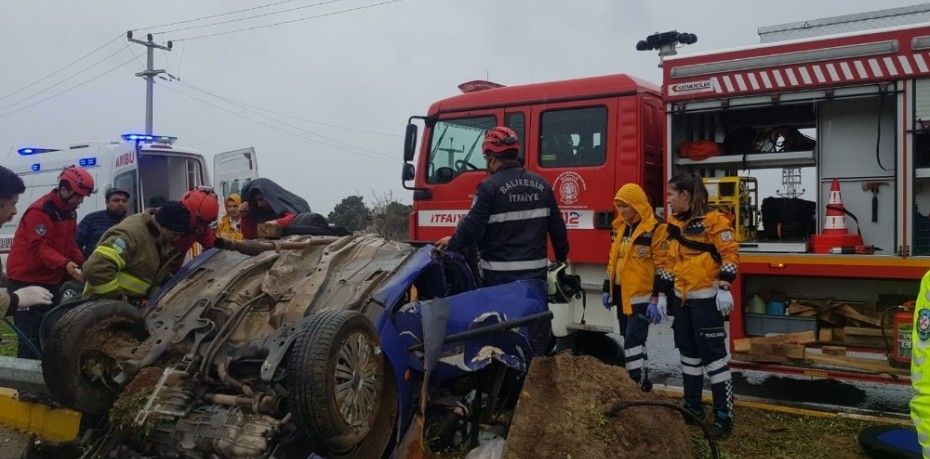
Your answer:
<point x="408" y="173"/>
<point x="410" y="142"/>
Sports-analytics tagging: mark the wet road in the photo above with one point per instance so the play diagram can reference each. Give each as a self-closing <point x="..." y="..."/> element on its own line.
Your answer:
<point x="665" y="369"/>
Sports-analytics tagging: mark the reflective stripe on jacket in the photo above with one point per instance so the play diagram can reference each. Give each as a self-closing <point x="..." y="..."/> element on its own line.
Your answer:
<point x="512" y="213"/>
<point x="129" y="260"/>
<point x="695" y="271"/>
<point x="920" y="366"/>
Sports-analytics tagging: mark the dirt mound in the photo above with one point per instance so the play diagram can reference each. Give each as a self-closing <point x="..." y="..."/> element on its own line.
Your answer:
<point x="561" y="409"/>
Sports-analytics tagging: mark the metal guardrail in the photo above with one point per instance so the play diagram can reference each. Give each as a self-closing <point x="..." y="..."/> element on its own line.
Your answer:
<point x="22" y="374"/>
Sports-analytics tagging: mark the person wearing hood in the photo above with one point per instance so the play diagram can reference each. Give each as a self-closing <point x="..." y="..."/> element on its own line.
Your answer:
<point x="11" y="186"/>
<point x="264" y="201"/>
<point x="45" y="250"/>
<point x="229" y="226"/>
<point x="135" y="256"/>
<point x="94" y="224"/>
<point x="636" y="272"/>
<point x="703" y="257"/>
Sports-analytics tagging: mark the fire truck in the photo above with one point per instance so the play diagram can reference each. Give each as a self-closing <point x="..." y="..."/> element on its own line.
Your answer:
<point x="819" y="150"/>
<point x="586" y="136"/>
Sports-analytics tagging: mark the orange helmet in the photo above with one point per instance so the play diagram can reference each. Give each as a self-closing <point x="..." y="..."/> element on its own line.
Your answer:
<point x="203" y="206"/>
<point x="500" y="139"/>
<point x="77" y="179"/>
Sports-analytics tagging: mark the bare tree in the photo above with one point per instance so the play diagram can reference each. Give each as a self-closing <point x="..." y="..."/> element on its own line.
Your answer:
<point x="390" y="217"/>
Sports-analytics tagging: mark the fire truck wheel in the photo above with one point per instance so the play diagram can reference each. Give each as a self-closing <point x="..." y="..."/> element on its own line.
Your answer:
<point x="82" y="355"/>
<point x="336" y="379"/>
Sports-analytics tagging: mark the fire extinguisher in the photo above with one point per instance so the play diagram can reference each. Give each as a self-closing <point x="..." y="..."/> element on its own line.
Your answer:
<point x="899" y="352"/>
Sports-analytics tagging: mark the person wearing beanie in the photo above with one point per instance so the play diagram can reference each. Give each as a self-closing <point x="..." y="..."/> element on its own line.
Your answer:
<point x="133" y="257"/>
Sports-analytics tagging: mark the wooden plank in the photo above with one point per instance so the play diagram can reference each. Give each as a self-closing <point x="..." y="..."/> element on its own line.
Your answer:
<point x="847" y="311"/>
<point x="748" y="357"/>
<point x="867" y="331"/>
<point x="856" y="363"/>
<point x="825" y="335"/>
<point x="746" y="344"/>
<point x="795" y="351"/>
<point x="833" y="350"/>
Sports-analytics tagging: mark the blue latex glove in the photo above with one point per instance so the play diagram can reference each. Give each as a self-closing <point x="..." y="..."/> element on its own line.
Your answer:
<point x="657" y="309"/>
<point x="605" y="300"/>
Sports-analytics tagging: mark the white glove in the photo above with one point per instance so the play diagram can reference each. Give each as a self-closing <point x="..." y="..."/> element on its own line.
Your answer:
<point x="33" y="296"/>
<point x="724" y="302"/>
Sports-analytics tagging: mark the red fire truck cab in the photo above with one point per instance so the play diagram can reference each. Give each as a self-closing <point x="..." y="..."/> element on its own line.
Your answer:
<point x="586" y="136"/>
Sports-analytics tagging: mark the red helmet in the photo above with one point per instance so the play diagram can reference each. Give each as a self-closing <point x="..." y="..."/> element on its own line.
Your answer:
<point x="78" y="180"/>
<point x="500" y="139"/>
<point x="203" y="205"/>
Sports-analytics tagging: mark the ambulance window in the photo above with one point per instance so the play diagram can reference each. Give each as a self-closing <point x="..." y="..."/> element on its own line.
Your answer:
<point x="573" y="137"/>
<point x="517" y="122"/>
<point x="127" y="181"/>
<point x="455" y="147"/>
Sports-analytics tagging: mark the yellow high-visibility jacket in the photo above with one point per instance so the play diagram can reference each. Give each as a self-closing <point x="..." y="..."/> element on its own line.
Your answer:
<point x="638" y="253"/>
<point x="696" y="271"/>
<point x="920" y="366"/>
<point x="129" y="260"/>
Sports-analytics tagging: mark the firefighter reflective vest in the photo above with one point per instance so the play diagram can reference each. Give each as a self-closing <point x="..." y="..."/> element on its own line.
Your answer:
<point x="129" y="260"/>
<point x="920" y="366"/>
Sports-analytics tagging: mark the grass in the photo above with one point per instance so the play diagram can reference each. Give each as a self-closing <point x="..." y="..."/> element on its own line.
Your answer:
<point x="7" y="340"/>
<point x="767" y="434"/>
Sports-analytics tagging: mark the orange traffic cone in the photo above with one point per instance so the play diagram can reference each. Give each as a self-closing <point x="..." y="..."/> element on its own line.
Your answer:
<point x="834" y="232"/>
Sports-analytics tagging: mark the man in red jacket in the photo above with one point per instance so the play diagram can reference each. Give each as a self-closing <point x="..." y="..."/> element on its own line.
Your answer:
<point x="44" y="250"/>
<point x="204" y="207"/>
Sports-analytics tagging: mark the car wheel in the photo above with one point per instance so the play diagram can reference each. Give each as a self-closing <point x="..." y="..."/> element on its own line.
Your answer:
<point x="83" y="350"/>
<point x="336" y="379"/>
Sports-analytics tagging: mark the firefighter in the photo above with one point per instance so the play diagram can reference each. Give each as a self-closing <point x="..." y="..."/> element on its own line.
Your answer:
<point x="204" y="207"/>
<point x="135" y="255"/>
<point x="636" y="269"/>
<point x="920" y="366"/>
<point x="264" y="201"/>
<point x="11" y="186"/>
<point x="703" y="259"/>
<point x="94" y="224"/>
<point x="511" y="214"/>
<point x="45" y="250"/>
<point x="228" y="227"/>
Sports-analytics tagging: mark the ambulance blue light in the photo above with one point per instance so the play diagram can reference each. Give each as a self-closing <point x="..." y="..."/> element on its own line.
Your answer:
<point x="36" y="167"/>
<point x="34" y="151"/>
<point x="87" y="162"/>
<point x="138" y="137"/>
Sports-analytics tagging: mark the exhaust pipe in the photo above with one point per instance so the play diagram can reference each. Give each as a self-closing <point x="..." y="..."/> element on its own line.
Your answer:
<point x="257" y="246"/>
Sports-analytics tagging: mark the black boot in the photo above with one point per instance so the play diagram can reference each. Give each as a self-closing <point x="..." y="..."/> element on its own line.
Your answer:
<point x="722" y="426"/>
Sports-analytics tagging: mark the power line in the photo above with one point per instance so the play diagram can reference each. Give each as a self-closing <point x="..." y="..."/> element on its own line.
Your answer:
<point x="245" y="107"/>
<point x="69" y="89"/>
<point x="108" y="56"/>
<point x="187" y="21"/>
<point x="285" y="115"/>
<point x="56" y="72"/>
<point x="275" y="24"/>
<point x="295" y="134"/>
<point x="201" y="26"/>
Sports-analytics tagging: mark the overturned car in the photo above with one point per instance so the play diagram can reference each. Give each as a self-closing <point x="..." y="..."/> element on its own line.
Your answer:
<point x="341" y="346"/>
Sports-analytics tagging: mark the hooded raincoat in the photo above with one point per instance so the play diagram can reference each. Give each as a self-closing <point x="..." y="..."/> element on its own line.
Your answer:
<point x="638" y="253"/>
<point x="284" y="206"/>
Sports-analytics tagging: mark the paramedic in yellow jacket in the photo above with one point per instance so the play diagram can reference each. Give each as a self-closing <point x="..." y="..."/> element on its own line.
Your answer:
<point x="703" y="257"/>
<point x="634" y="272"/>
<point x="920" y="366"/>
<point x="134" y="256"/>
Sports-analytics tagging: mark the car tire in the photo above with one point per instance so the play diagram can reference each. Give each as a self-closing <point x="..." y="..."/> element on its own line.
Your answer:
<point x="336" y="379"/>
<point x="75" y="343"/>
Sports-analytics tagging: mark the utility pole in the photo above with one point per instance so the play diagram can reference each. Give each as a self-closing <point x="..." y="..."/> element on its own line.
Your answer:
<point x="149" y="74"/>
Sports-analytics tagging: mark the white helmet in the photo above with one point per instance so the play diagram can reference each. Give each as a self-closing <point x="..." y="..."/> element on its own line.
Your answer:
<point x="561" y="287"/>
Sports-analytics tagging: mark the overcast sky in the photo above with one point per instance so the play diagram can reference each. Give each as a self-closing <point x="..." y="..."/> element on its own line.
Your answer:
<point x="360" y="74"/>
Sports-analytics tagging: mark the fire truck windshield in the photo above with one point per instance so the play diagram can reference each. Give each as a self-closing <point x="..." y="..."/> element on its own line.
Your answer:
<point x="455" y="147"/>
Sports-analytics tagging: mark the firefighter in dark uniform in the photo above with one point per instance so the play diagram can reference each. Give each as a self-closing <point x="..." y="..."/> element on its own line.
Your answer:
<point x="703" y="259"/>
<point x="512" y="212"/>
<point x="45" y="251"/>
